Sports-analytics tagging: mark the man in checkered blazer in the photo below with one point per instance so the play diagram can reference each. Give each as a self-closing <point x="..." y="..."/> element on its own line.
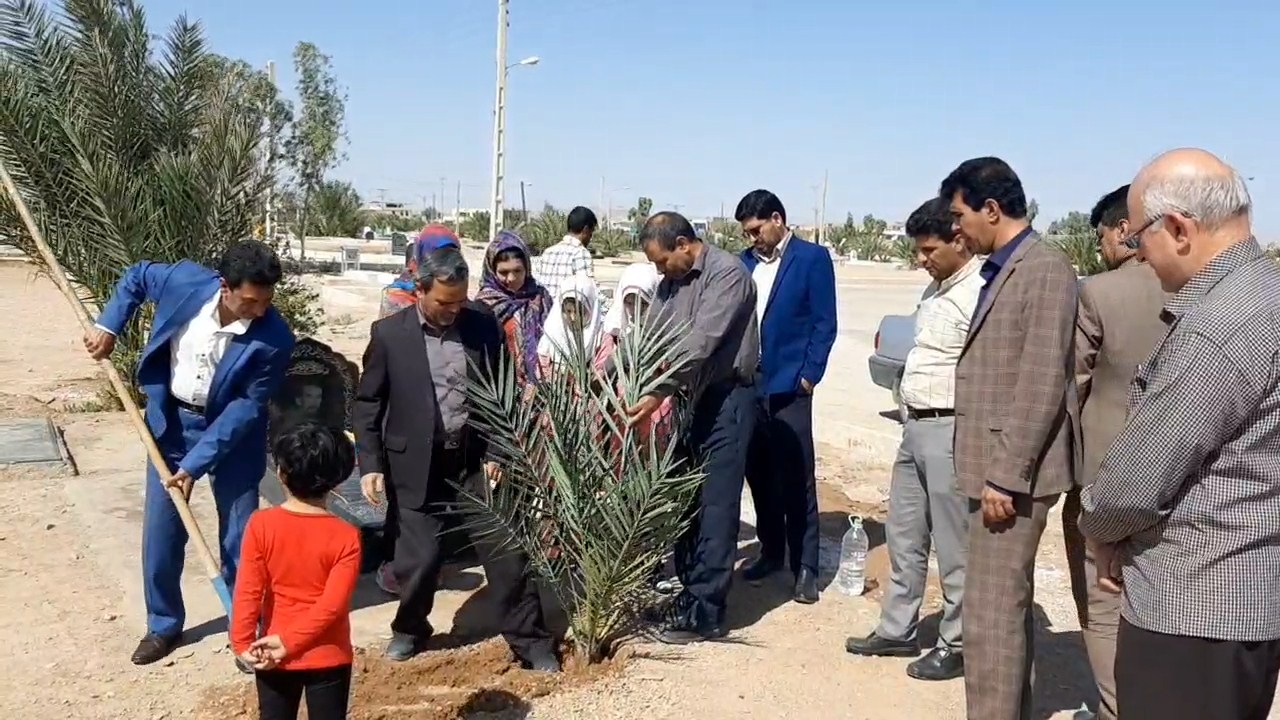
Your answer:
<point x="1015" y="441"/>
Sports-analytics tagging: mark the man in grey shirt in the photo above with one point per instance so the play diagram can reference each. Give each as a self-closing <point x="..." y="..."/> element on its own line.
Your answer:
<point x="415" y="447"/>
<point x="711" y="291"/>
<point x="1188" y="497"/>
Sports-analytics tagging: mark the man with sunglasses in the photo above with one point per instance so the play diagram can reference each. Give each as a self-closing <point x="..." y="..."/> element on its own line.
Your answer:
<point x="1117" y="327"/>
<point x="1190" y="489"/>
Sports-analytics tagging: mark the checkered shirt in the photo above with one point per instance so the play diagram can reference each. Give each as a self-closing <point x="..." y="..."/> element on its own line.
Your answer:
<point x="562" y="261"/>
<point x="942" y="324"/>
<point x="1191" y="486"/>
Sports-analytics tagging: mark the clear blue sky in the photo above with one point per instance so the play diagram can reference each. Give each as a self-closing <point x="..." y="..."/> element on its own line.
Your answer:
<point x="695" y="102"/>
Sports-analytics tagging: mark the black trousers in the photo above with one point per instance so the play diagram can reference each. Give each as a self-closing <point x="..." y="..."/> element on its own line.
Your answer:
<point x="419" y="537"/>
<point x="780" y="473"/>
<point x="717" y="437"/>
<point x="1171" y="677"/>
<point x="280" y="693"/>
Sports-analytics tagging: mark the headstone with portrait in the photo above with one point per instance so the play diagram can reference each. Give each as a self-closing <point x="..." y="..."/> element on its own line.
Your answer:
<point x="319" y="386"/>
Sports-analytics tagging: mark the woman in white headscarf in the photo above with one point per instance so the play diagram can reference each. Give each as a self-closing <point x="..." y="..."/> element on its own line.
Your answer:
<point x="575" y="318"/>
<point x="636" y="287"/>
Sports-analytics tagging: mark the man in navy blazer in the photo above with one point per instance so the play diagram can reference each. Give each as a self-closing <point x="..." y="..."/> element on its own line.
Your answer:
<point x="796" y="308"/>
<point x="216" y="354"/>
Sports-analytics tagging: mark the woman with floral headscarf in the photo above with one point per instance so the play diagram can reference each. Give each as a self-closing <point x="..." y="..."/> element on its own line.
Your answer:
<point x="522" y="305"/>
<point x="399" y="294"/>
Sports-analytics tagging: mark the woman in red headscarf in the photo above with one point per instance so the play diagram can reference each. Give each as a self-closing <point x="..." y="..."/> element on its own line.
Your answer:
<point x="399" y="294"/>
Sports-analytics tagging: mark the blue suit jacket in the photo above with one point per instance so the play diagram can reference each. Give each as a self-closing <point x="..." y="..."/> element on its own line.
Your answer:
<point x="799" y="323"/>
<point x="234" y="445"/>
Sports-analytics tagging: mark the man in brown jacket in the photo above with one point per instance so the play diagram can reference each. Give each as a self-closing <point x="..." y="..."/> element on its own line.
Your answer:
<point x="1117" y="326"/>
<point x="1015" y="431"/>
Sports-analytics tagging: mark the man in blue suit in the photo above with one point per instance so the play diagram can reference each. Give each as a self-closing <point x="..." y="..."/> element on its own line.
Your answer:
<point x="216" y="355"/>
<point x="796" y="308"/>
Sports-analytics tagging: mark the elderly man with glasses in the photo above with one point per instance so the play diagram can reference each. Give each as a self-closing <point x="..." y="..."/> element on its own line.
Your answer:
<point x="1188" y="495"/>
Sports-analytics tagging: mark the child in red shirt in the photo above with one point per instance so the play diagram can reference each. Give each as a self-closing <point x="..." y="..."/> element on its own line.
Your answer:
<point x="298" y="571"/>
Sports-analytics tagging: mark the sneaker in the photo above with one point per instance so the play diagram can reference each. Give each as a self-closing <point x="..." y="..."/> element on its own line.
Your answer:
<point x="387" y="580"/>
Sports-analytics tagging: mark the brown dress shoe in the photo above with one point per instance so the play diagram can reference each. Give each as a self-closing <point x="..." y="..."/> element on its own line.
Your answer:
<point x="153" y="648"/>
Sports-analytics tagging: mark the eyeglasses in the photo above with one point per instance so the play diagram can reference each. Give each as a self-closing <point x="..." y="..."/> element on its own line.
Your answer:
<point x="1133" y="239"/>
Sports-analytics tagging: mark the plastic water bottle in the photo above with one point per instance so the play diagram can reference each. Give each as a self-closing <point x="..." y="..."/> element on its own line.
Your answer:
<point x="851" y="576"/>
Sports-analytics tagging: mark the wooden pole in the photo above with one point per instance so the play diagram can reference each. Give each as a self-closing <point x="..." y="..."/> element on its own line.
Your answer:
<point x="212" y="567"/>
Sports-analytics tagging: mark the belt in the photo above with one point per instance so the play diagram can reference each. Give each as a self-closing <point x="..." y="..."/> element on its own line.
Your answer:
<point x="929" y="413"/>
<point x="183" y="404"/>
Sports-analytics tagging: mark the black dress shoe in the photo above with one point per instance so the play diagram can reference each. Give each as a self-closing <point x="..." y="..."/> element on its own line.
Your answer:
<point x="686" y="633"/>
<point x="153" y="648"/>
<point x="761" y="568"/>
<point x="939" y="664"/>
<point x="404" y="646"/>
<point x="875" y="646"/>
<point x="806" y="592"/>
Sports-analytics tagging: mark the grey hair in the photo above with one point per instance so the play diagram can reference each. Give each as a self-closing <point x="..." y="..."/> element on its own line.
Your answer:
<point x="445" y="265"/>
<point x="1210" y="199"/>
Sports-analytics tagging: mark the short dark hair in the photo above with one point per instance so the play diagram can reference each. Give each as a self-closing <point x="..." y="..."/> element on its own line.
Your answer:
<point x="312" y="459"/>
<point x="445" y="264"/>
<point x="760" y="205"/>
<point x="665" y="228"/>
<point x="1111" y="209"/>
<point x="987" y="178"/>
<point x="581" y="219"/>
<point x="932" y="219"/>
<point x="250" y="261"/>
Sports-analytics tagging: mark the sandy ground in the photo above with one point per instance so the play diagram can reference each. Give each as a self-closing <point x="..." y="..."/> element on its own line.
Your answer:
<point x="70" y="596"/>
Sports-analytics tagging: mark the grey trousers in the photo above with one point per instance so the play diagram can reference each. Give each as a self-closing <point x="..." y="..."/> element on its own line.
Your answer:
<point x="925" y="508"/>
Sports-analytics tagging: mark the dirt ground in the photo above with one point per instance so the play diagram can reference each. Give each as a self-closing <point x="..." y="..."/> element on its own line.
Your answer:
<point x="71" y="607"/>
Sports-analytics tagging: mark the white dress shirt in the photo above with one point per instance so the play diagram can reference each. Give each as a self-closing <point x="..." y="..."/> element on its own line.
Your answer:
<point x="765" y="273"/>
<point x="197" y="348"/>
<point x="942" y="324"/>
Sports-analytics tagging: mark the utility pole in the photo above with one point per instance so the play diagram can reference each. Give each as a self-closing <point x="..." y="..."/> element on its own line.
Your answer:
<point x="435" y="209"/>
<point x="495" y="205"/>
<point x="457" y="209"/>
<point x="524" y="208"/>
<point x="268" y="224"/>
<point x="821" y="233"/>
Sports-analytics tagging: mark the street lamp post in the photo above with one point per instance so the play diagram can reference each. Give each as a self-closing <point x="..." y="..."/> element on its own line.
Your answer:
<point x="499" y="119"/>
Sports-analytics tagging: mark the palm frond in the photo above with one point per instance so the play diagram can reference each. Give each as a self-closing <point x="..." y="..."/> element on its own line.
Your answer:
<point x="123" y="154"/>
<point x="594" y="502"/>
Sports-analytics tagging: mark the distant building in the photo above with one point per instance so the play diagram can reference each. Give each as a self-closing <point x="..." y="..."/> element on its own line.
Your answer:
<point x="391" y="208"/>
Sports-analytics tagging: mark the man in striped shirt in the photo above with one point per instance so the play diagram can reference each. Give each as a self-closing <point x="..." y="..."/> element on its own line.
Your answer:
<point x="1186" y="505"/>
<point x="924" y="502"/>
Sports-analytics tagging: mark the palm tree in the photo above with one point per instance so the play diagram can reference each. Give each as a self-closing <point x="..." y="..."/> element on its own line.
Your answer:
<point x="545" y="229"/>
<point x="593" y="502"/>
<point x="124" y="154"/>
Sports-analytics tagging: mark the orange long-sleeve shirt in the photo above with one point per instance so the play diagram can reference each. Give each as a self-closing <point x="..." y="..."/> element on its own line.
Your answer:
<point x="297" y="574"/>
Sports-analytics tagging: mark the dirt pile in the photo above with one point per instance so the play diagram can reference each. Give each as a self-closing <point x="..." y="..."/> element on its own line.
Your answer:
<point x="452" y="684"/>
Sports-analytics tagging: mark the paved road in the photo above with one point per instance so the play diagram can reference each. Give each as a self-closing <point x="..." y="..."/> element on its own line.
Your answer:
<point x="850" y="408"/>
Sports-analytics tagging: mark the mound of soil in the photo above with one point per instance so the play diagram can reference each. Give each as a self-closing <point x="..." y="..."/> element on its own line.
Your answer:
<point x="452" y="684"/>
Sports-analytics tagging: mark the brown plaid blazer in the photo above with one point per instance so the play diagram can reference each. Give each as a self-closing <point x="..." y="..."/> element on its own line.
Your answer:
<point x="1016" y="415"/>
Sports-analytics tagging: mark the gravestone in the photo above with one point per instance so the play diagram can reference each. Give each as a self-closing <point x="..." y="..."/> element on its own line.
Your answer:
<point x="399" y="242"/>
<point x="31" y="443"/>
<point x="319" y="386"/>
